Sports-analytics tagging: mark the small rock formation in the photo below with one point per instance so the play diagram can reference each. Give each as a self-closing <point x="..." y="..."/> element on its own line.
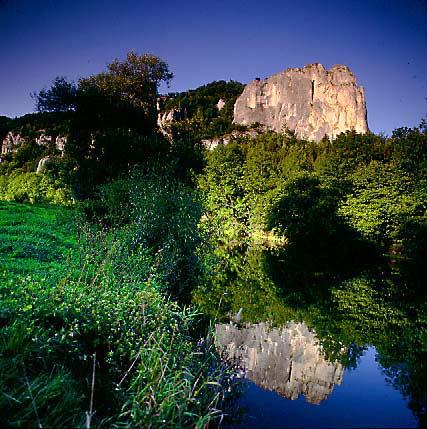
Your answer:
<point x="11" y="143"/>
<point x="288" y="361"/>
<point x="211" y="144"/>
<point x="220" y="105"/>
<point x="44" y="139"/>
<point x="60" y="143"/>
<point x="311" y="101"/>
<point x="14" y="140"/>
<point x="166" y="119"/>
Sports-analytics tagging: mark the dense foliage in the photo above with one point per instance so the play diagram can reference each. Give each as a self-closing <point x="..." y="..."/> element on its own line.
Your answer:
<point x="305" y="191"/>
<point x="88" y="336"/>
<point x="60" y="97"/>
<point x="109" y="122"/>
<point x="31" y="124"/>
<point x="34" y="188"/>
<point x="198" y="114"/>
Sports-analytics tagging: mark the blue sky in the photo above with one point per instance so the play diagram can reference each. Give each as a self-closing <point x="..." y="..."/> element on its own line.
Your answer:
<point x="383" y="41"/>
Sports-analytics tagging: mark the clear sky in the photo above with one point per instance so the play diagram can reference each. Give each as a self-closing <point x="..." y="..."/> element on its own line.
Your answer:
<point x="383" y="41"/>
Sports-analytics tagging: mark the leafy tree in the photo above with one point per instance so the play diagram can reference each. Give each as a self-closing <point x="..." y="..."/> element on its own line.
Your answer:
<point x="408" y="150"/>
<point x="304" y="210"/>
<point x="134" y="81"/>
<point x="4" y="126"/>
<point x="224" y="195"/>
<point x="113" y="118"/>
<point x="60" y="97"/>
<point x="382" y="200"/>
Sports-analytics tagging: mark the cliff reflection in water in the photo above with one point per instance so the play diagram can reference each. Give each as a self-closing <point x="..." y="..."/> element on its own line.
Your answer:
<point x="287" y="360"/>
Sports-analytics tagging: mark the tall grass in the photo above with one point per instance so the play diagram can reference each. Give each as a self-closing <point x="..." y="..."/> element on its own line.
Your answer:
<point x="100" y="344"/>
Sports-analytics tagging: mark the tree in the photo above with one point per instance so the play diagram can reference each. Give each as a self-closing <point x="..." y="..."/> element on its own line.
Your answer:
<point x="305" y="211"/>
<point x="134" y="81"/>
<point x="60" y="97"/>
<point x="113" y="117"/>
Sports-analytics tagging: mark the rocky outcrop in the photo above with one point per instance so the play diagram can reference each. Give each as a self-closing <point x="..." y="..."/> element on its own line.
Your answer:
<point x="14" y="140"/>
<point x="211" y="144"/>
<point x="60" y="143"/>
<point x="165" y="120"/>
<point x="44" y="139"/>
<point x="11" y="143"/>
<point x="311" y="101"/>
<point x="220" y="105"/>
<point x="288" y="360"/>
<point x="42" y="164"/>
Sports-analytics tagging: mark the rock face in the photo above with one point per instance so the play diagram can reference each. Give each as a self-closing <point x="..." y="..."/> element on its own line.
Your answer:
<point x="42" y="164"/>
<point x="287" y="360"/>
<point x="44" y="139"/>
<point x="211" y="144"/>
<point x="220" y="105"/>
<point x="311" y="101"/>
<point x="165" y="120"/>
<point x="13" y="141"/>
<point x="60" y="143"/>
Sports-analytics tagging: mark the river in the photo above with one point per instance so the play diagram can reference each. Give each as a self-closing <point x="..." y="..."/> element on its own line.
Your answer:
<point x="319" y="343"/>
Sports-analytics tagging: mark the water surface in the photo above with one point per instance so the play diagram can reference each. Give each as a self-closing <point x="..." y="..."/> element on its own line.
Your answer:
<point x="320" y="344"/>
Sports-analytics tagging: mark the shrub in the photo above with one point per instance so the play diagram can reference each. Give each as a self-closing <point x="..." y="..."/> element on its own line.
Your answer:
<point x="33" y="188"/>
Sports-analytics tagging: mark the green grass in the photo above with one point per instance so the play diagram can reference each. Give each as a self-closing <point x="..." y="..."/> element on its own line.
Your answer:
<point x="35" y="240"/>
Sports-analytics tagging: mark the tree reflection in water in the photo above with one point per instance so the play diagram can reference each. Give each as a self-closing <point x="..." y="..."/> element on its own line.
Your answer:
<point x="348" y="306"/>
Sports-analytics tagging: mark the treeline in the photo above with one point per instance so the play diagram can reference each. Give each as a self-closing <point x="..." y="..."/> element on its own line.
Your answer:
<point x="306" y="191"/>
<point x="110" y="123"/>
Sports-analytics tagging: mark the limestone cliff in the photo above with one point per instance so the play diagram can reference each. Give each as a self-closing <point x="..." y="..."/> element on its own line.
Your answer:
<point x="287" y="360"/>
<point x="14" y="140"/>
<point x="212" y="143"/>
<point x="311" y="101"/>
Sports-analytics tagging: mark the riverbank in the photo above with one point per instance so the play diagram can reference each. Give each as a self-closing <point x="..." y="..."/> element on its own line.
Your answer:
<point x="89" y="336"/>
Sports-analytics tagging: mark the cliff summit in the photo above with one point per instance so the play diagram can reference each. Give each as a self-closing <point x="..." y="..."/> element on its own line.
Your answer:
<point x="311" y="101"/>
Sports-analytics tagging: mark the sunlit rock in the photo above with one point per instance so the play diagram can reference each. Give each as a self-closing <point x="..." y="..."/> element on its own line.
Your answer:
<point x="220" y="105"/>
<point x="211" y="144"/>
<point x="165" y="120"/>
<point x="60" y="143"/>
<point x="311" y="101"/>
<point x="42" y="164"/>
<point x="44" y="139"/>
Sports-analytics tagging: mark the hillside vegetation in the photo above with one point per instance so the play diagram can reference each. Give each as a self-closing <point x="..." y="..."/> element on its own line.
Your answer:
<point x="95" y="331"/>
<point x="199" y="115"/>
<point x="311" y="192"/>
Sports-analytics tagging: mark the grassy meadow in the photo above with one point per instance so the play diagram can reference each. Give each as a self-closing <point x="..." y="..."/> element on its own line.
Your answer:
<point x="35" y="239"/>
